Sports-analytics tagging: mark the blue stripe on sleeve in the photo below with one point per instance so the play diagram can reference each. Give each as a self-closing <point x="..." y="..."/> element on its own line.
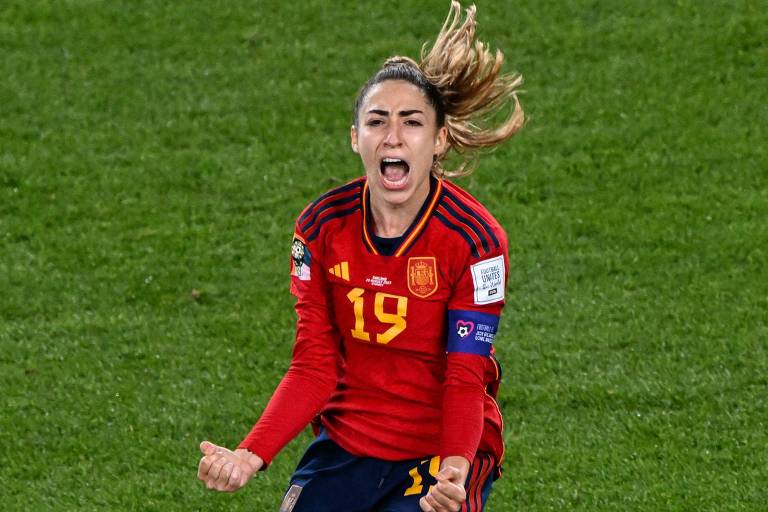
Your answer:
<point x="471" y="332"/>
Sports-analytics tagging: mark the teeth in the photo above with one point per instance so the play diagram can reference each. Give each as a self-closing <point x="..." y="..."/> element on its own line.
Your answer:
<point x="392" y="161"/>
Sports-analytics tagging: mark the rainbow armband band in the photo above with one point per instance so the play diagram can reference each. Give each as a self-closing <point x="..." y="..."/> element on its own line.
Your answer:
<point x="471" y="332"/>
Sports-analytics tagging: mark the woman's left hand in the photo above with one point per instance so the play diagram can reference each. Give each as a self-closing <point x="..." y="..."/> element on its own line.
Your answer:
<point x="449" y="493"/>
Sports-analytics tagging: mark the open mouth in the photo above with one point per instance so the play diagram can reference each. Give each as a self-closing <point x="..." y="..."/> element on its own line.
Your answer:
<point x="394" y="172"/>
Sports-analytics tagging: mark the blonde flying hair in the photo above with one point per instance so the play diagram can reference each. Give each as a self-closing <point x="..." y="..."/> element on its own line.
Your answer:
<point x="462" y="80"/>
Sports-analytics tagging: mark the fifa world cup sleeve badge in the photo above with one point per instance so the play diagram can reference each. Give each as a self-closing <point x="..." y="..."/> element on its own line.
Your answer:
<point x="300" y="258"/>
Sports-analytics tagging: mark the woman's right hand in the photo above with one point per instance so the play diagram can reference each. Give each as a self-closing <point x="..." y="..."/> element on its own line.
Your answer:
<point x="226" y="470"/>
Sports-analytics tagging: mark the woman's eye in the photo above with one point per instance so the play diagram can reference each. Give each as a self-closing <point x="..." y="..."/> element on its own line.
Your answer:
<point x="413" y="122"/>
<point x="374" y="122"/>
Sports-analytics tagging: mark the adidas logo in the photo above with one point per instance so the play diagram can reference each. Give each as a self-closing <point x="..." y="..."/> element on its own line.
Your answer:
<point x="340" y="270"/>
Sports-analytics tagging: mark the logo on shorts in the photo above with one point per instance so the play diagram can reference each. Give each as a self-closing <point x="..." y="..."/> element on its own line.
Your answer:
<point x="291" y="497"/>
<point x="422" y="276"/>
<point x="464" y="329"/>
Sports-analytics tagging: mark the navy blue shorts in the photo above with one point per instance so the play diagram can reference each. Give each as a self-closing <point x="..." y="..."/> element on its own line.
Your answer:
<point x="330" y="479"/>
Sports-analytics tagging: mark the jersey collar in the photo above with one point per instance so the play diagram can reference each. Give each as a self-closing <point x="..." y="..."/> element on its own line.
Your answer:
<point x="414" y="230"/>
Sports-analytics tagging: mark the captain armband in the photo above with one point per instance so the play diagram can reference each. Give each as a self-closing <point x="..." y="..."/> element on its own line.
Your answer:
<point x="471" y="332"/>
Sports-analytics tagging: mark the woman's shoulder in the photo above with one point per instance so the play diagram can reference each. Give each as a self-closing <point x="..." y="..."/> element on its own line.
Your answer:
<point x="336" y="202"/>
<point x="473" y="226"/>
<point x="461" y="204"/>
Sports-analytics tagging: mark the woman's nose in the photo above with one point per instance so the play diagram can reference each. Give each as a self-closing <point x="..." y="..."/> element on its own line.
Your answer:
<point x="393" y="136"/>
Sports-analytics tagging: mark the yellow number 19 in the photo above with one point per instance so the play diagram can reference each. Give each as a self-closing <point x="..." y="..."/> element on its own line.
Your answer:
<point x="417" y="487"/>
<point x="397" y="320"/>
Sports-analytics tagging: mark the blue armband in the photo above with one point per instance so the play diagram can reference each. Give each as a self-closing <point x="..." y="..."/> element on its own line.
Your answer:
<point x="471" y="332"/>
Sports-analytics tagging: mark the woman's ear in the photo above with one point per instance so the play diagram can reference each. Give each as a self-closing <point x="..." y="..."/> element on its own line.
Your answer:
<point x="353" y="138"/>
<point x="441" y="141"/>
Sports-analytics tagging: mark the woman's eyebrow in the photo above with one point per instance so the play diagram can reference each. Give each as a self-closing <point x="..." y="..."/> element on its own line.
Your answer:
<point x="402" y="113"/>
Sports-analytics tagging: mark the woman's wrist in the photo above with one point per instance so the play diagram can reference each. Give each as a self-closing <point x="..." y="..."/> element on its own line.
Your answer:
<point x="458" y="462"/>
<point x="253" y="460"/>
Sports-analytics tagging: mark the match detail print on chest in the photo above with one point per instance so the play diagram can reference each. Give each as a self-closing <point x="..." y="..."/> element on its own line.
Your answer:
<point x="379" y="297"/>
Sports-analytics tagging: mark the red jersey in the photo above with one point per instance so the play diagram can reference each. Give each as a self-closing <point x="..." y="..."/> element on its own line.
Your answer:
<point x="394" y="352"/>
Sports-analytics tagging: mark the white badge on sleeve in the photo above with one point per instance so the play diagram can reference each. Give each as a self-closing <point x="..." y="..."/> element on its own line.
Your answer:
<point x="488" y="278"/>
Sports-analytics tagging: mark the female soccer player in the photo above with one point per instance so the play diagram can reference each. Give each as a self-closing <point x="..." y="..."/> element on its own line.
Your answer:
<point x="399" y="279"/>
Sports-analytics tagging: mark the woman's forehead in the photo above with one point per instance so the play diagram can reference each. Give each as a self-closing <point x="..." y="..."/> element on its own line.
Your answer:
<point x="396" y="94"/>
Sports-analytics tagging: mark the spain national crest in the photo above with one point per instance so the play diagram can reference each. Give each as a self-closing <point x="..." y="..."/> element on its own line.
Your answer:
<point x="422" y="276"/>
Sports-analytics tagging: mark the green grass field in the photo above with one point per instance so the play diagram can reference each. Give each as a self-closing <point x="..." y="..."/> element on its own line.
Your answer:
<point x="150" y="148"/>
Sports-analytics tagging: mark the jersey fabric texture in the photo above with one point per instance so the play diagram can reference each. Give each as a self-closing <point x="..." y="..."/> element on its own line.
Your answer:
<point x="393" y="352"/>
<point x="329" y="479"/>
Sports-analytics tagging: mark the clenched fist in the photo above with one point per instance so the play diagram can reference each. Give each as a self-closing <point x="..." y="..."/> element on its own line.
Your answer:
<point x="449" y="493"/>
<point x="226" y="470"/>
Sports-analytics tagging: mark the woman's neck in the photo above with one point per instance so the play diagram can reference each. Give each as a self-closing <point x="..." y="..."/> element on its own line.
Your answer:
<point x="392" y="220"/>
